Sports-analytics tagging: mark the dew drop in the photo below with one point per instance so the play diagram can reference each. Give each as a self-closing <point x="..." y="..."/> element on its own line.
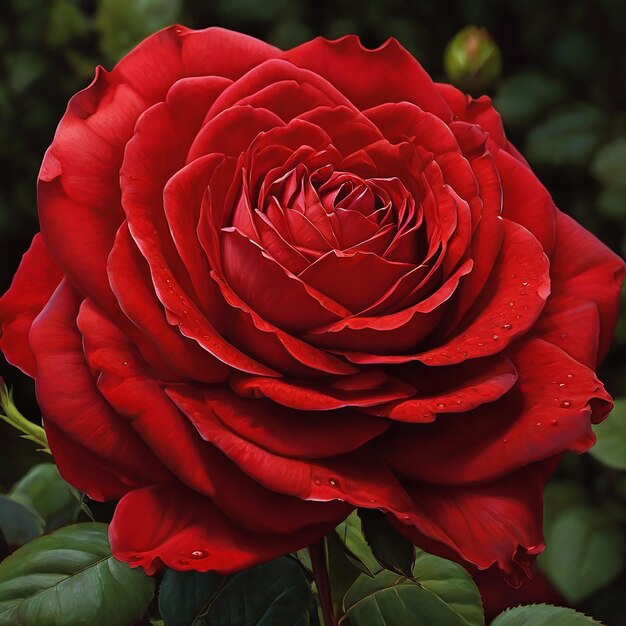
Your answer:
<point x="511" y="303"/>
<point x="317" y="481"/>
<point x="465" y="353"/>
<point x="554" y="422"/>
<point x="427" y="414"/>
<point x="566" y="404"/>
<point x="517" y="317"/>
<point x="199" y="554"/>
<point x="562" y="385"/>
<point x="570" y="376"/>
<point x="525" y="283"/>
<point x="480" y="344"/>
<point x="332" y="482"/>
<point x="538" y="424"/>
<point x="495" y="337"/>
<point x="563" y="335"/>
<point x="124" y="362"/>
<point x="178" y="30"/>
<point x="372" y="501"/>
<point x="507" y="326"/>
<point x="441" y="405"/>
<point x="505" y="441"/>
<point x="459" y="402"/>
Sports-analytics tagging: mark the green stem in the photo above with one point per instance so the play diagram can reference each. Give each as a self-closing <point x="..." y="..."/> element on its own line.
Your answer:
<point x="12" y="416"/>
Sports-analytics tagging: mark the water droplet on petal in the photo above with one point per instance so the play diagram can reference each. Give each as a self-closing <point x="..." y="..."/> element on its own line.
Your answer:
<point x="317" y="481"/>
<point x="495" y="337"/>
<point x="507" y="326"/>
<point x="441" y="405"/>
<point x="199" y="554"/>
<point x="563" y="335"/>
<point x="566" y="404"/>
<point x="562" y="385"/>
<point x="480" y="344"/>
<point x="538" y="424"/>
<point x="511" y="303"/>
<point x="554" y="422"/>
<point x="332" y="482"/>
<point x="505" y="441"/>
<point x="124" y="362"/>
<point x="570" y="376"/>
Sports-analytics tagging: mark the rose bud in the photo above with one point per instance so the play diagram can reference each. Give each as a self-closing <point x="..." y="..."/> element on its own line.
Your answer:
<point x="272" y="286"/>
<point x="472" y="60"/>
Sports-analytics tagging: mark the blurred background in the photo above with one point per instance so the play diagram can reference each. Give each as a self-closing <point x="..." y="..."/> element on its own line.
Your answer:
<point x="556" y="72"/>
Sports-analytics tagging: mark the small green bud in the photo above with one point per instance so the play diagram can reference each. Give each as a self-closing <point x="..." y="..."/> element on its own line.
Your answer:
<point x="472" y="60"/>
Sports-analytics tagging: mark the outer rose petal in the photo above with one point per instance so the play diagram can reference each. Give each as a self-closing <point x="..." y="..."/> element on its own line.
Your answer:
<point x="554" y="393"/>
<point x="171" y="525"/>
<point x="583" y="267"/>
<point x="70" y="401"/>
<point x="33" y="284"/>
<point x="498" y="522"/>
<point x="359" y="73"/>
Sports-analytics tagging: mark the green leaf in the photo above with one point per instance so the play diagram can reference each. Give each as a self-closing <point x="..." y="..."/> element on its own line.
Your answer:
<point x="560" y="495"/>
<point x="184" y="595"/>
<point x="350" y="532"/>
<point x="584" y="552"/>
<point x="389" y="546"/>
<point x="276" y="593"/>
<point x="44" y="491"/>
<point x="441" y="593"/>
<point x="542" y="615"/>
<point x="343" y="570"/>
<point x="611" y="202"/>
<point x="70" y="578"/>
<point x="18" y="523"/>
<point x="609" y="164"/>
<point x="12" y="416"/>
<point x="567" y="137"/>
<point x="523" y="97"/>
<point x="611" y="433"/>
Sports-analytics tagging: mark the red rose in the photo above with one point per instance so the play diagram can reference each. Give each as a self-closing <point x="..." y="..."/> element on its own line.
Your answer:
<point x="274" y="286"/>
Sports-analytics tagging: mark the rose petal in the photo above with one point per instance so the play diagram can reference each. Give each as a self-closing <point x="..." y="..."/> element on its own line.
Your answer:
<point x="170" y="525"/>
<point x="457" y="389"/>
<point x="505" y="518"/>
<point x="318" y="396"/>
<point x="580" y="275"/>
<point x="548" y="412"/>
<point x="72" y="404"/>
<point x="359" y="73"/>
<point x="33" y="284"/>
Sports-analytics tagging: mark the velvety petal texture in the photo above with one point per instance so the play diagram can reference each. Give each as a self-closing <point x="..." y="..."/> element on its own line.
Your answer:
<point x="272" y="286"/>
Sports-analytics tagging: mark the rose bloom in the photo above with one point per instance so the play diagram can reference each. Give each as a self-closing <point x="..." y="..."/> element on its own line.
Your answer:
<point x="271" y="287"/>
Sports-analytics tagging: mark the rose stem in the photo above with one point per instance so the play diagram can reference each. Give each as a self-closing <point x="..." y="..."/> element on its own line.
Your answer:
<point x="317" y="551"/>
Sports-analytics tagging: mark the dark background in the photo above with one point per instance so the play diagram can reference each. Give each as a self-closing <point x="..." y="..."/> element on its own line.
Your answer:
<point x="562" y="95"/>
